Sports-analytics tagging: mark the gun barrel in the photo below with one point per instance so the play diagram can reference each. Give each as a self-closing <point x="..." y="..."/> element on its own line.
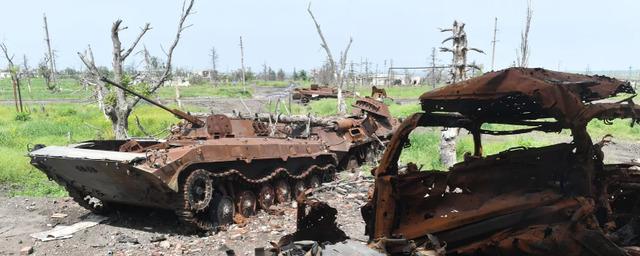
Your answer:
<point x="180" y="114"/>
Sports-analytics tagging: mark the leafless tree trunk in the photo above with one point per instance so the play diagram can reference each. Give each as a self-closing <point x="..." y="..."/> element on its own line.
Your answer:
<point x="338" y="69"/>
<point x="459" y="66"/>
<point x="244" y="88"/>
<point x="15" y="78"/>
<point x="522" y="54"/>
<point x="119" y="110"/>
<point x="27" y="72"/>
<point x="51" y="56"/>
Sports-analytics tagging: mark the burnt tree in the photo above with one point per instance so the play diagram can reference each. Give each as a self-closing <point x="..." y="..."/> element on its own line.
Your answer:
<point x="522" y="54"/>
<point x="459" y="49"/>
<point x="15" y="78"/>
<point x="119" y="108"/>
<point x="336" y="68"/>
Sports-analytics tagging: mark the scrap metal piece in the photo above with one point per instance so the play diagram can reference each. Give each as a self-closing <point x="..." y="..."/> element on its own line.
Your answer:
<point x="318" y="223"/>
<point x="554" y="200"/>
<point x="64" y="232"/>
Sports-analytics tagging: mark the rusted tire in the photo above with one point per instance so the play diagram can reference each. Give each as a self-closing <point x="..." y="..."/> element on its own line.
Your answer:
<point x="298" y="188"/>
<point x="304" y="100"/>
<point x="266" y="197"/>
<point x="314" y="181"/>
<point x="221" y="211"/>
<point x="246" y="203"/>
<point x="198" y="190"/>
<point x="283" y="191"/>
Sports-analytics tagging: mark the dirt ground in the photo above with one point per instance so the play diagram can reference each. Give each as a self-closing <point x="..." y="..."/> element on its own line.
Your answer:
<point x="136" y="231"/>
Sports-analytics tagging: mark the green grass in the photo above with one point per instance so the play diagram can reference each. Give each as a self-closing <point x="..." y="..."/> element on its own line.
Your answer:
<point x="395" y="92"/>
<point x="328" y="107"/>
<point x="224" y="91"/>
<point x="59" y="124"/>
<point x="72" y="89"/>
<point x="425" y="149"/>
<point x="69" y="89"/>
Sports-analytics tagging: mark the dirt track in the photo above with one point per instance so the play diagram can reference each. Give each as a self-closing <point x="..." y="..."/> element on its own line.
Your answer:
<point x="137" y="231"/>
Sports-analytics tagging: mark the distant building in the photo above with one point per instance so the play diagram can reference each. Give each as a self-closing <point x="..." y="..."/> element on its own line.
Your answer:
<point x="5" y="74"/>
<point x="178" y="81"/>
<point x="396" y="79"/>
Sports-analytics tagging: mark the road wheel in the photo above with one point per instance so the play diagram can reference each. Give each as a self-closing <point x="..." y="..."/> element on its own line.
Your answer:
<point x="283" y="192"/>
<point x="246" y="203"/>
<point x="198" y="190"/>
<point x="221" y="210"/>
<point x="314" y="181"/>
<point x="298" y="188"/>
<point x="266" y="197"/>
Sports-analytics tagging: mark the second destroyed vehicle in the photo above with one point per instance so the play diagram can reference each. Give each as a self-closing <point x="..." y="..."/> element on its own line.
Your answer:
<point x="560" y="199"/>
<point x="316" y="92"/>
<point x="208" y="170"/>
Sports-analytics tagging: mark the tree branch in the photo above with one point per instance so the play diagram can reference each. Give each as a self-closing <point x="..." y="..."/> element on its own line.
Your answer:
<point x="144" y="30"/>
<point x="186" y="11"/>
<point x="324" y="42"/>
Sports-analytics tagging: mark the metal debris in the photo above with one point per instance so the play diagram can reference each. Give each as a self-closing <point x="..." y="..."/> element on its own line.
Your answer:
<point x="64" y="232"/>
<point x="554" y="200"/>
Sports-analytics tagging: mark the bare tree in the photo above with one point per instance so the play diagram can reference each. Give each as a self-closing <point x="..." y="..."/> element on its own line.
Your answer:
<point x="50" y="55"/>
<point x="459" y="67"/>
<point x="15" y="77"/>
<point x="118" y="110"/>
<point x="337" y="68"/>
<point x="522" y="54"/>
<point x="26" y="72"/>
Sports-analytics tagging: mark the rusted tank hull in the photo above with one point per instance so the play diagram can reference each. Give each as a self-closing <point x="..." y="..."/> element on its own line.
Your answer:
<point x="106" y="175"/>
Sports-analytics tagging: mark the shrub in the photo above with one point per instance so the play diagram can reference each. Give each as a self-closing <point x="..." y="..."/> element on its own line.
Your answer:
<point x="23" y="117"/>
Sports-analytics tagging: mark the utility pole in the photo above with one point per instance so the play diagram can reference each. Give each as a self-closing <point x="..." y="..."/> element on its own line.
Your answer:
<point x="52" y="58"/>
<point x="214" y="59"/>
<point x="433" y="68"/>
<point x="244" y="88"/>
<point x="493" y="51"/>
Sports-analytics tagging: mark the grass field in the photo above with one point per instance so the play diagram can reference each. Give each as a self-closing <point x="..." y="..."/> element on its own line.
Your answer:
<point x="61" y="124"/>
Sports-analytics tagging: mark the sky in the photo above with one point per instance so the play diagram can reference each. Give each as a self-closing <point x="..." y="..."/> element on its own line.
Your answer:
<point x="570" y="35"/>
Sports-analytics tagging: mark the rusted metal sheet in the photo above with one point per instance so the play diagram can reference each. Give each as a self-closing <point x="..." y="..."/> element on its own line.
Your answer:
<point x="554" y="200"/>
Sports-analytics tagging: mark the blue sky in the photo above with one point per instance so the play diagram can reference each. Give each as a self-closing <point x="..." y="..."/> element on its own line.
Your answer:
<point x="572" y="34"/>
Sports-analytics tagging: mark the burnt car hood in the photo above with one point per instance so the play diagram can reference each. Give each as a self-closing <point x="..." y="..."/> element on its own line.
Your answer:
<point x="523" y="93"/>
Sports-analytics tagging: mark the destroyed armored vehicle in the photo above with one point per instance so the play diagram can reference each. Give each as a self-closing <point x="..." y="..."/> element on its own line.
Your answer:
<point x="356" y="139"/>
<point x="361" y="137"/>
<point x="316" y="92"/>
<point x="560" y="199"/>
<point x="208" y="170"/>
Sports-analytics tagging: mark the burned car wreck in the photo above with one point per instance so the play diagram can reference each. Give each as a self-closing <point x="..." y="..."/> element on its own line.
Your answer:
<point x="559" y="199"/>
